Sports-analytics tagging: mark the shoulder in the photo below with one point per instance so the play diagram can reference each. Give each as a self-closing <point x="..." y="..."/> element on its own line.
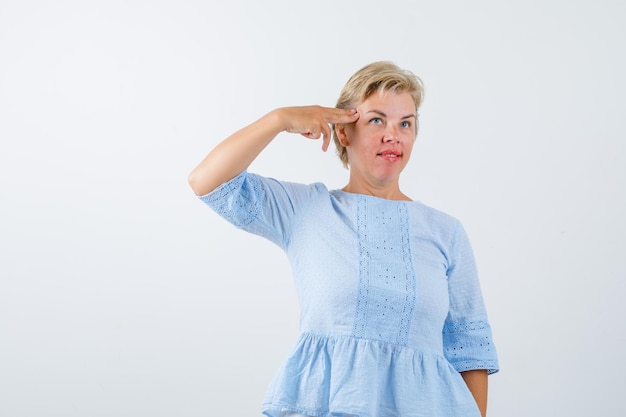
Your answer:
<point x="248" y="182"/>
<point x="433" y="216"/>
<point x="313" y="188"/>
<point x="438" y="226"/>
<point x="287" y="192"/>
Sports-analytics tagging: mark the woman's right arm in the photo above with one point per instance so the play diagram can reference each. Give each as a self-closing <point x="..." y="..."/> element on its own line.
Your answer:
<point x="233" y="155"/>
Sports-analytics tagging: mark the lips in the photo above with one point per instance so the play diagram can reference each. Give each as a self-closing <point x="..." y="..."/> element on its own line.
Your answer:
<point x="390" y="155"/>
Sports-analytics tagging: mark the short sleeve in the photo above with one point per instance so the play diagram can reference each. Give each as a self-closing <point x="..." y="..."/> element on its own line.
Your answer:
<point x="259" y="205"/>
<point x="467" y="335"/>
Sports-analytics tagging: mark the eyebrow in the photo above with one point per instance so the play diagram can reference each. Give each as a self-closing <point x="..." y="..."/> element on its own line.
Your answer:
<point x="384" y="115"/>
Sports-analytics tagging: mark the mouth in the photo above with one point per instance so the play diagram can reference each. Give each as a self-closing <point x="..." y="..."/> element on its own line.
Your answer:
<point x="390" y="156"/>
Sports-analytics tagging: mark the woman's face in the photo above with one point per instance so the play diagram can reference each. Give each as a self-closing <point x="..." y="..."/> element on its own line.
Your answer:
<point x="379" y="143"/>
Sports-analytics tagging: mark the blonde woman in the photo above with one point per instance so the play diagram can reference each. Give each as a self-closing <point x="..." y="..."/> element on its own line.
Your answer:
<point x="392" y="318"/>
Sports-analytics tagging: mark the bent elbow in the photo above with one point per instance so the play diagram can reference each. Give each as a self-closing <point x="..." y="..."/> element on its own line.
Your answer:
<point x="197" y="188"/>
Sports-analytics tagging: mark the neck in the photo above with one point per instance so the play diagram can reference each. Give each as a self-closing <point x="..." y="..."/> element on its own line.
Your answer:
<point x="388" y="191"/>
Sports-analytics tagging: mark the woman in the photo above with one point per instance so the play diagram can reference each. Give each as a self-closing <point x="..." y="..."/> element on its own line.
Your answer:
<point x="392" y="319"/>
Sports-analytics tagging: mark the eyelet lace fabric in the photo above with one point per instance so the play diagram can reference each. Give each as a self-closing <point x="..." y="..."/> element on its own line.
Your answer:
<point x="246" y="205"/>
<point x="462" y="339"/>
<point x="391" y="309"/>
<point x="386" y="289"/>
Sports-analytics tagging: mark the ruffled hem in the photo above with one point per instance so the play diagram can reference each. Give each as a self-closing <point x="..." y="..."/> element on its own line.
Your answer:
<point x="337" y="376"/>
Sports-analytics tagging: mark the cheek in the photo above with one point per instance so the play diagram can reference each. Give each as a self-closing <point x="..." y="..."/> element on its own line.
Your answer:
<point x="356" y="131"/>
<point x="353" y="132"/>
<point x="408" y="147"/>
<point x="361" y="137"/>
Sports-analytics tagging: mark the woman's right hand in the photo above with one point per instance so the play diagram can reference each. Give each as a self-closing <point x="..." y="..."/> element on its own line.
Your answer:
<point x="313" y="121"/>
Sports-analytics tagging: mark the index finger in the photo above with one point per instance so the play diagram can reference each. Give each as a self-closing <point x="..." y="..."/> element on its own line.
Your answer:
<point x="326" y="135"/>
<point x="334" y="115"/>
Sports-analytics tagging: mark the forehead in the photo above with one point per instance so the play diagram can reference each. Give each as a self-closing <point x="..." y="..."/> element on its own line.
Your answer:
<point x="401" y="102"/>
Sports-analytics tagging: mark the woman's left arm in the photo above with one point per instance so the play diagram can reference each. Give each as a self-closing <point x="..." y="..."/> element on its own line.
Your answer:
<point x="476" y="381"/>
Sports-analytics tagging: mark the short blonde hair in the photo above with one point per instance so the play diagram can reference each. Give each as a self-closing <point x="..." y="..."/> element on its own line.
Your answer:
<point x="381" y="76"/>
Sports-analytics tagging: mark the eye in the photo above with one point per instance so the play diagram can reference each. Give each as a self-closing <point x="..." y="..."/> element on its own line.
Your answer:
<point x="376" y="121"/>
<point x="405" y="124"/>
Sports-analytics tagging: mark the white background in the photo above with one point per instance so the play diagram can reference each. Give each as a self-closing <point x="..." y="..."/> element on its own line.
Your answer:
<point x="121" y="294"/>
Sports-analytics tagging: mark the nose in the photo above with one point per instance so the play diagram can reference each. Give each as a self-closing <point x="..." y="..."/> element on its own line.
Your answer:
<point x="391" y="134"/>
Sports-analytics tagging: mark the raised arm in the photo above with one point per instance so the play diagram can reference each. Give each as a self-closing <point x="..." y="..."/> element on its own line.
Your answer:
<point x="236" y="153"/>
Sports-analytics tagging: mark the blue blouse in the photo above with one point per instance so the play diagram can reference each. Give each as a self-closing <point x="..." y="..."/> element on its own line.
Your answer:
<point x="391" y="308"/>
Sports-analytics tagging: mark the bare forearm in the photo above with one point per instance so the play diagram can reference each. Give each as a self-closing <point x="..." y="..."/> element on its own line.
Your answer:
<point x="234" y="154"/>
<point x="477" y="382"/>
<point x="237" y="152"/>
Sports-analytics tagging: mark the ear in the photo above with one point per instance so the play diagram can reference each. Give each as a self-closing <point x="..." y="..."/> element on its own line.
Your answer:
<point x="340" y="130"/>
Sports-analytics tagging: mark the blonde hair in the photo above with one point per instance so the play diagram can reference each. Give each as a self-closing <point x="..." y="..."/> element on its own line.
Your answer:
<point x="381" y="76"/>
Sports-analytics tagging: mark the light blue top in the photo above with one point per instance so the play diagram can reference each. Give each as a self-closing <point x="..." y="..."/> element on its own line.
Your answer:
<point x="391" y="308"/>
